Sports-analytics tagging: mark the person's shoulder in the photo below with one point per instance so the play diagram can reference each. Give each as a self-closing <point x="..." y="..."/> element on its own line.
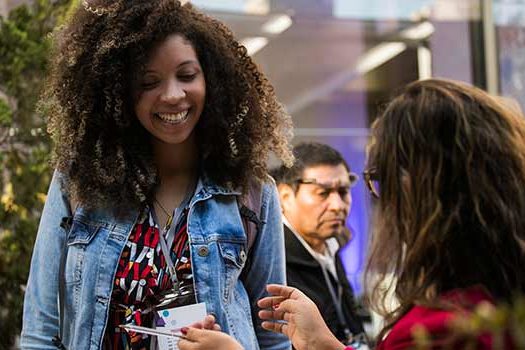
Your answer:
<point x="430" y="320"/>
<point x="265" y="188"/>
<point x="267" y="183"/>
<point x="433" y="321"/>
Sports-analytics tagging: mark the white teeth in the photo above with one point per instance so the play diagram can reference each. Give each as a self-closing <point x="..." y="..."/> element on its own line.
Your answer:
<point x="173" y="117"/>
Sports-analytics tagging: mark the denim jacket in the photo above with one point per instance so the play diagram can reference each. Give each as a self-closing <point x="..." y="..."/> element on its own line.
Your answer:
<point x="94" y="239"/>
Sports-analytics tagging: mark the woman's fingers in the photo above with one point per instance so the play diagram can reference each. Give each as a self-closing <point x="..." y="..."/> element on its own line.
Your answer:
<point x="281" y="290"/>
<point x="206" y="339"/>
<point x="274" y="315"/>
<point x="276" y="327"/>
<point x="209" y="322"/>
<point x="280" y="294"/>
<point x="280" y="311"/>
<point x="266" y="315"/>
<point x="272" y="301"/>
<point x="189" y="342"/>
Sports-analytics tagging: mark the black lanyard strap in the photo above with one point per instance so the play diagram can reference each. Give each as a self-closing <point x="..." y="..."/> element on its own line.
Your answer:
<point x="337" y="302"/>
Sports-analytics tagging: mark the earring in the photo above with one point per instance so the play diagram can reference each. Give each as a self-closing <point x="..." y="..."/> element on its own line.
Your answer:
<point x="233" y="145"/>
<point x="239" y="118"/>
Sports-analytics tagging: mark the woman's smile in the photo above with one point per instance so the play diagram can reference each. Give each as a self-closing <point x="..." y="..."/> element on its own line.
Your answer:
<point x="173" y="118"/>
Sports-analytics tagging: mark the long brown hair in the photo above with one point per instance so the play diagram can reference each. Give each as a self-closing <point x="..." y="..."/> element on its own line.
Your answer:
<point x="99" y="144"/>
<point x="450" y="162"/>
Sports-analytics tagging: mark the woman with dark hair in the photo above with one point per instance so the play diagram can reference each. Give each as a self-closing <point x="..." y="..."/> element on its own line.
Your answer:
<point x="449" y="160"/>
<point x="162" y="126"/>
<point x="447" y="167"/>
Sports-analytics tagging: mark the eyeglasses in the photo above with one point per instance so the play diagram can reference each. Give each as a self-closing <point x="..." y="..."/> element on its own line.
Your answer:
<point x="326" y="189"/>
<point x="372" y="181"/>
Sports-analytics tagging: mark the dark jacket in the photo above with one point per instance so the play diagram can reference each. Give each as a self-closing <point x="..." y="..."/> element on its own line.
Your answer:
<point x="305" y="273"/>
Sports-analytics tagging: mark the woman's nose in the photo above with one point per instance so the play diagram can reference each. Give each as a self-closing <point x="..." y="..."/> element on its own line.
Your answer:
<point x="173" y="92"/>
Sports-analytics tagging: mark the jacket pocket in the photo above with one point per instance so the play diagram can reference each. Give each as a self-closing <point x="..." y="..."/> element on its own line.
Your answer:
<point x="79" y="237"/>
<point x="234" y="258"/>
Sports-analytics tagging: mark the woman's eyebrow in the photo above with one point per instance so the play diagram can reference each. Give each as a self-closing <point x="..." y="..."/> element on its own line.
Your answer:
<point x="188" y="62"/>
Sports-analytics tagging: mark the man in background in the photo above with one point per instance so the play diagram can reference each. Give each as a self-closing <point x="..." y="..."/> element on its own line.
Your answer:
<point x="316" y="200"/>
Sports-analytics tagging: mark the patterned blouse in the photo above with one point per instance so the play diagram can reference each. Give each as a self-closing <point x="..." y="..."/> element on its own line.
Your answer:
<point x="141" y="280"/>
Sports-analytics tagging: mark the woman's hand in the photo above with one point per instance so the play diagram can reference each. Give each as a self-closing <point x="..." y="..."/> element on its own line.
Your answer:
<point x="207" y="323"/>
<point x="205" y="339"/>
<point x="290" y="312"/>
<point x="206" y="335"/>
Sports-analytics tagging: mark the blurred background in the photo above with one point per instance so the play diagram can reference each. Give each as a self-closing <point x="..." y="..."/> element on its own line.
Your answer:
<point x="333" y="64"/>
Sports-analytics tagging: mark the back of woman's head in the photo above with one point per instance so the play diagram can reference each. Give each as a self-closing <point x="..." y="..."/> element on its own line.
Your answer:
<point x="450" y="161"/>
<point x="100" y="55"/>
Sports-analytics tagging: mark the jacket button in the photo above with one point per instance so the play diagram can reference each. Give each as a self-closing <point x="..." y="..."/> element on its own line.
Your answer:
<point x="243" y="256"/>
<point x="203" y="251"/>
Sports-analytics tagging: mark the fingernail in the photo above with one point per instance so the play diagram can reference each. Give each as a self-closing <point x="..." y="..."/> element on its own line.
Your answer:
<point x="184" y="330"/>
<point x="276" y="306"/>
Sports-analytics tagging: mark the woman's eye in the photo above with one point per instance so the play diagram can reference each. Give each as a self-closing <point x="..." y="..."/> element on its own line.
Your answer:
<point x="187" y="77"/>
<point x="146" y="85"/>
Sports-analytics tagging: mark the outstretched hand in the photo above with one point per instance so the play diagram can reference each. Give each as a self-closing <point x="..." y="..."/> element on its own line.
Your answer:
<point x="290" y="312"/>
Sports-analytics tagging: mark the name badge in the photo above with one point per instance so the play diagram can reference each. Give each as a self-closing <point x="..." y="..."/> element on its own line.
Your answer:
<point x="174" y="319"/>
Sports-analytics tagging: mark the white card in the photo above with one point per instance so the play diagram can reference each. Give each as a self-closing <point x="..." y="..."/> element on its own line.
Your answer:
<point x="176" y="318"/>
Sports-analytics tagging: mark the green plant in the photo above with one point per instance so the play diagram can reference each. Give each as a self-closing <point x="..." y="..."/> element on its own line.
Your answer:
<point x="24" y="148"/>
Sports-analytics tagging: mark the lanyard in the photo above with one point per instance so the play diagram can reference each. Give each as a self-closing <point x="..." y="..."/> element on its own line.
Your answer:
<point x="167" y="255"/>
<point x="337" y="302"/>
<point x="168" y="233"/>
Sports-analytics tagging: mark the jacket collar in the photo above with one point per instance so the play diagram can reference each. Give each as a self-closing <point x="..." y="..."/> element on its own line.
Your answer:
<point x="295" y="252"/>
<point x="212" y="188"/>
<point x="125" y="216"/>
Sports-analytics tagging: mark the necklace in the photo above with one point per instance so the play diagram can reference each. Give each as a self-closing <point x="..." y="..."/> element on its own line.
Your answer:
<point x="169" y="220"/>
<point x="170" y="216"/>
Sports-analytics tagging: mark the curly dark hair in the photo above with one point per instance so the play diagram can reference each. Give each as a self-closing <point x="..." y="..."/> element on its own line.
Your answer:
<point x="100" y="146"/>
<point x="450" y="161"/>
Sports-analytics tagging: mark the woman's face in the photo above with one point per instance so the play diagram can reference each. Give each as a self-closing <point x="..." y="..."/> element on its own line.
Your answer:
<point x="170" y="94"/>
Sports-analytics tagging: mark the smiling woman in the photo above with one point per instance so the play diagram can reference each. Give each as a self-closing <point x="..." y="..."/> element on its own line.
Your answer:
<point x="162" y="126"/>
<point x="169" y="97"/>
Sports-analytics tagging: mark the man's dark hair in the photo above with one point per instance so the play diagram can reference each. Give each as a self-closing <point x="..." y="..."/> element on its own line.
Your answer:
<point x="307" y="155"/>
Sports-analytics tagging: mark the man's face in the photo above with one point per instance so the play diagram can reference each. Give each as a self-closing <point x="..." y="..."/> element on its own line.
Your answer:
<point x="319" y="207"/>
